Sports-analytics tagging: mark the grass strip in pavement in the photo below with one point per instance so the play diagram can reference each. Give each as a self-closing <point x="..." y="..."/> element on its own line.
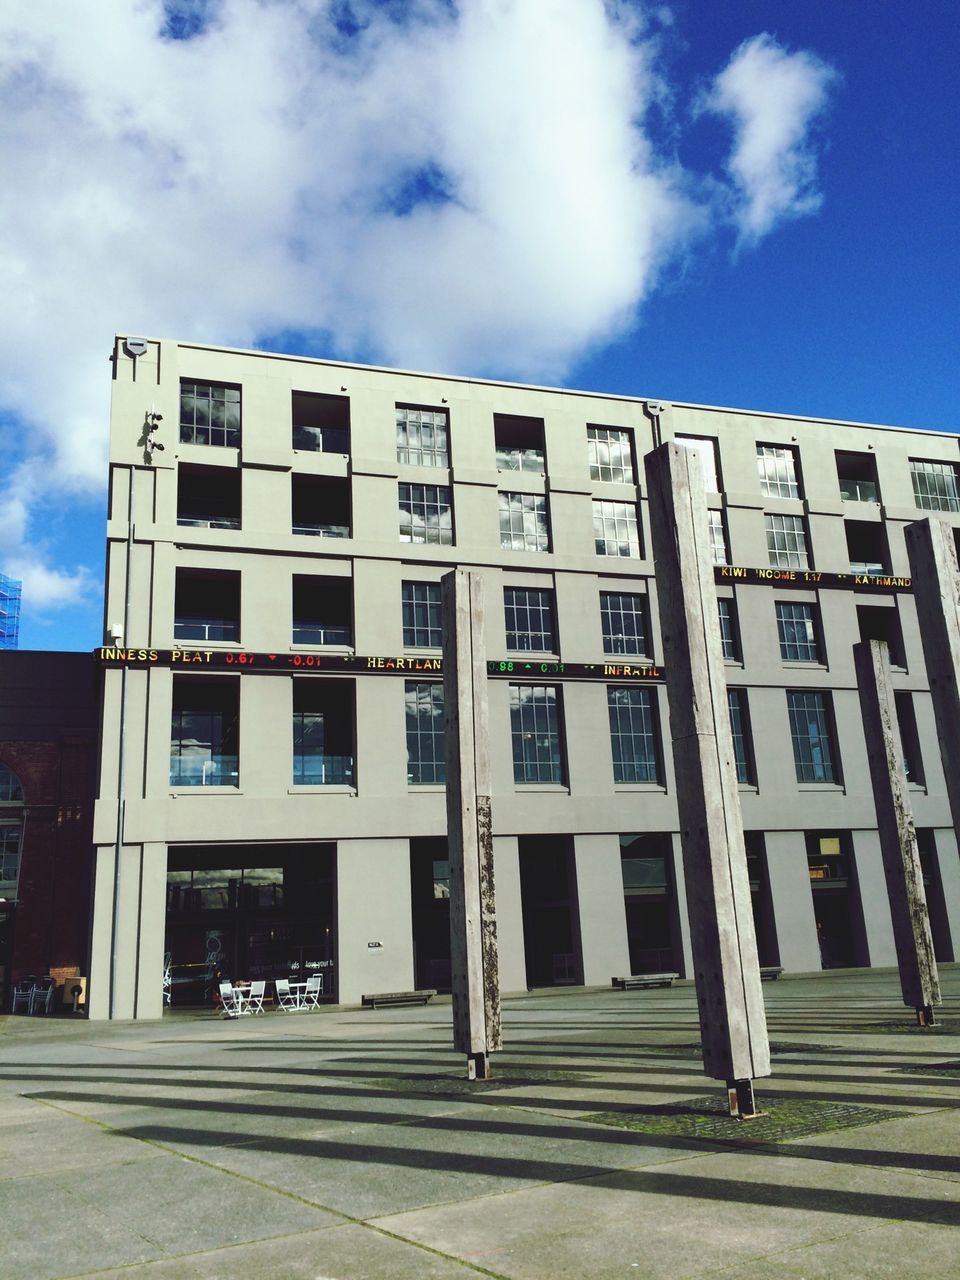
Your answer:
<point x="443" y="1085"/>
<point x="706" y="1120"/>
<point x="947" y="1069"/>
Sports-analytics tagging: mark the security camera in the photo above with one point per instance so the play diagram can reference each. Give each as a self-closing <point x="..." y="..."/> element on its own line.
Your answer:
<point x="135" y="346"/>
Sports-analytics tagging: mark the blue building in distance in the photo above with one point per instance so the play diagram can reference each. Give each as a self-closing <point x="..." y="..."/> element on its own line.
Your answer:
<point x="10" y="590"/>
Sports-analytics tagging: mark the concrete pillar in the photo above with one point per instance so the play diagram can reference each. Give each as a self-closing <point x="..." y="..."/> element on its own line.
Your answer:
<point x="512" y="959"/>
<point x="141" y="921"/>
<point x="475" y="983"/>
<point x="792" y="901"/>
<point x="877" y="923"/>
<point x="603" y="921"/>
<point x="680" y="905"/>
<point x="374" y="933"/>
<point x="732" y="1018"/>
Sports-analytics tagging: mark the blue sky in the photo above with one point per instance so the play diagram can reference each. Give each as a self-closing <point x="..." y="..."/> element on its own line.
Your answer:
<point x="749" y="203"/>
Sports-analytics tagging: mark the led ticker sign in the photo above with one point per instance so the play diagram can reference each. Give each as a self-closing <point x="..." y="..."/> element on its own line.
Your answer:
<point x="809" y="578"/>
<point x="241" y="661"/>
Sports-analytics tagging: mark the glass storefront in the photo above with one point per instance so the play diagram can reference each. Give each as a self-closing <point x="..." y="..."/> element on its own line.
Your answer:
<point x="247" y="912"/>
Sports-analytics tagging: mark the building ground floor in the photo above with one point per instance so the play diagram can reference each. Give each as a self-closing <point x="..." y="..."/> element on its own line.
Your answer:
<point x="372" y="915"/>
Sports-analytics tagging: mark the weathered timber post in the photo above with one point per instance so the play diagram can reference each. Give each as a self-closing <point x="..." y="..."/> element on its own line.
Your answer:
<point x="473" y="920"/>
<point x="936" y="592"/>
<point x="733" y="1024"/>
<point x="919" y="980"/>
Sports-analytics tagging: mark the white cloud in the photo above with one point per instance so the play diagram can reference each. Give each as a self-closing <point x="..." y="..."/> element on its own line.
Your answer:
<point x="771" y="98"/>
<point x="470" y="188"/>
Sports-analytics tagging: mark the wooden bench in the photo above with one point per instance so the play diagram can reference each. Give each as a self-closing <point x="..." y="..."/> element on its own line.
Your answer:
<point x="396" y="997"/>
<point x="644" y="980"/>
<point x="770" y="972"/>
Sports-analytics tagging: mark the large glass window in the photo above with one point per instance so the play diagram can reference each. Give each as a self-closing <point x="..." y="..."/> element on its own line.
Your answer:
<point x="777" y="466"/>
<point x="321" y="423"/>
<point x="811" y="735"/>
<point x="935" y="485"/>
<point x="322" y="612"/>
<point x="797" y="629"/>
<point x="615" y="528"/>
<point x="10" y="833"/>
<point x="323" y="716"/>
<point x="718" y="537"/>
<point x="205" y="732"/>
<point x="729" y="633"/>
<point x="10" y="790"/>
<point x="209" y="414"/>
<point x="633" y="734"/>
<point x="523" y="522"/>
<point x="528" y="615"/>
<point x="625" y="623"/>
<point x="425" y="738"/>
<point x="786" y="542"/>
<point x="207" y="605"/>
<point x="535" y="733"/>
<point x="740" y="732"/>
<point x="519" y="443"/>
<point x="610" y="454"/>
<point x="422" y="615"/>
<point x="706" y="451"/>
<point x="422" y="436"/>
<point x="426" y="513"/>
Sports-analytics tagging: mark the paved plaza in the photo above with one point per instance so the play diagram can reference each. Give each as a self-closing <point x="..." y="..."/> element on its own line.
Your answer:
<point x="346" y="1144"/>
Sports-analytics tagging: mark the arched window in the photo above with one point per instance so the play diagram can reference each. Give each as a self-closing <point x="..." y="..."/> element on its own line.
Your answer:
<point x="11" y="791"/>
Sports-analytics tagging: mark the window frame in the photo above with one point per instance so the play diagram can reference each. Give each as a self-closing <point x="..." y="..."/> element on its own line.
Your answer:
<point x="934" y="501"/>
<point x="433" y="627"/>
<point x="615" y="439"/>
<point x="633" y="716"/>
<point x="514" y="509"/>
<point x="738" y="707"/>
<point x="425" y="730"/>
<point x="810" y="648"/>
<point x="545" y="607"/>
<point x="413" y="502"/>
<point x="540" y="768"/>
<point x="642" y="634"/>
<point x="629" y="515"/>
<point x="774" y="458"/>
<point x="729" y="629"/>
<point x="189" y="428"/>
<point x="810" y="770"/>
<point x="786" y="527"/>
<point x="437" y="452"/>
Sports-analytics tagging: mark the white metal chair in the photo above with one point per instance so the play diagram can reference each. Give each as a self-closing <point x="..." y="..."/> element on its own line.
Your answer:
<point x="167" y="977"/>
<point x="286" y="999"/>
<point x="41" y="998"/>
<point x="231" y="1001"/>
<point x="313" y="991"/>
<point x="23" y="994"/>
<point x="254" y="1000"/>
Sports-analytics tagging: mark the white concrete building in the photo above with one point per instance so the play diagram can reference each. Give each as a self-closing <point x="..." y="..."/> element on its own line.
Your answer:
<point x="271" y="665"/>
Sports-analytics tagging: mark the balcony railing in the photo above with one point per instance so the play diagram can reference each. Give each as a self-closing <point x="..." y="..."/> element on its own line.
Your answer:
<point x="320" y="771"/>
<point x="321" y="633"/>
<point x="859" y="491"/>
<point x="321" y="439"/>
<point x="209" y="522"/>
<point x="206" y="629"/>
<point x="322" y="530"/>
<point x="204" y="770"/>
<point x="872" y="567"/>
<point x="521" y="460"/>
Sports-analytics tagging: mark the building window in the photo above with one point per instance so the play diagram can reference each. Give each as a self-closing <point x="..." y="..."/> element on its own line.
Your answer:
<point x="810" y="732"/>
<point x="321" y="506"/>
<point x="857" y="477"/>
<point x="909" y="737"/>
<point x="633" y="734"/>
<point x="615" y="528"/>
<point x="535" y="733"/>
<point x="209" y="414"/>
<point x="323" y="732"/>
<point x="610" y="454"/>
<point x="322" y="610"/>
<point x="422" y="615"/>
<point x="718" y="537"/>
<point x="528" y="615"/>
<point x="740" y="732"/>
<point x="207" y="605"/>
<point x="519" y="443"/>
<point x="321" y="423"/>
<point x="426" y="761"/>
<point x="729" y="632"/>
<point x="706" y="451"/>
<point x="205" y="733"/>
<point x="208" y="497"/>
<point x="786" y="542"/>
<point x="10" y="790"/>
<point x="777" y="466"/>
<point x="935" y="485"/>
<point x="867" y="547"/>
<point x="426" y="514"/>
<point x="875" y="622"/>
<point x="10" y="833"/>
<point x="625" y="626"/>
<point x="523" y="522"/>
<point x="422" y="437"/>
<point x="797" y="629"/>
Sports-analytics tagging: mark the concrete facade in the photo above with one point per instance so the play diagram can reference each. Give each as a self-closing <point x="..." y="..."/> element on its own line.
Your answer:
<point x="579" y="897"/>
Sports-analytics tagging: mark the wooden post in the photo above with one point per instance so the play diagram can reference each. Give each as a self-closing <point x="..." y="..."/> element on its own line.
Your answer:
<point x="473" y="920"/>
<point x="733" y="1024"/>
<point x="936" y="592"/>
<point x="919" y="980"/>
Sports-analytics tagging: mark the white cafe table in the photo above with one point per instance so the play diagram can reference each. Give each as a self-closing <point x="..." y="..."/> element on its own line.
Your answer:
<point x="297" y="990"/>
